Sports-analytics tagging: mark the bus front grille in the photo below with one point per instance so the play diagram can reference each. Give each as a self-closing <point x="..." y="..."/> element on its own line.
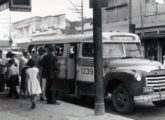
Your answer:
<point x="157" y="82"/>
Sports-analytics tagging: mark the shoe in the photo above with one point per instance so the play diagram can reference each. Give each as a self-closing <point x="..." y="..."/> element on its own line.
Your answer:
<point x="57" y="103"/>
<point x="33" y="106"/>
<point x="16" y="97"/>
<point x="9" y="96"/>
<point x="53" y="103"/>
<point x="43" y="99"/>
<point x="50" y="103"/>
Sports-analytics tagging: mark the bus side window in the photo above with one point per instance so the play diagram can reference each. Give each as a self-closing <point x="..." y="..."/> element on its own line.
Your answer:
<point x="72" y="51"/>
<point x="59" y="48"/>
<point x="30" y="48"/>
<point x="47" y="46"/>
<point x="88" y="50"/>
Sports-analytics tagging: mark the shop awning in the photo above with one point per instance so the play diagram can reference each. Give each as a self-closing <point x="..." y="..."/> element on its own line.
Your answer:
<point x="153" y="36"/>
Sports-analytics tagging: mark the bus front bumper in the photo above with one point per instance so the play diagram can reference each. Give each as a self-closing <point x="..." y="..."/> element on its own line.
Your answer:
<point x="155" y="96"/>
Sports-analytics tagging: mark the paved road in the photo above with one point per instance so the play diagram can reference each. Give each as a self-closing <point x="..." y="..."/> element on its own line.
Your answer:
<point x="142" y="111"/>
<point x="145" y="111"/>
<point x="11" y="109"/>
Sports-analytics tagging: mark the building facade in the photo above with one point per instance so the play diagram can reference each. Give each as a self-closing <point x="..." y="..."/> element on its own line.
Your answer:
<point x="148" y="16"/>
<point x="37" y="26"/>
<point x="88" y="26"/>
<point x="4" y="45"/>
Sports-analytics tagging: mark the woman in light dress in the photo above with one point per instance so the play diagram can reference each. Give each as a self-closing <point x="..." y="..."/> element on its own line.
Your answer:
<point x="33" y="85"/>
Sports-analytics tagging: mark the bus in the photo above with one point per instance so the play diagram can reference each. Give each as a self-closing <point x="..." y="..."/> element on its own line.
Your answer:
<point x="128" y="77"/>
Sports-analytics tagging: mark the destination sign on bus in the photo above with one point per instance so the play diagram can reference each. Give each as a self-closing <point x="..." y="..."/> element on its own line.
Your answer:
<point x="122" y="37"/>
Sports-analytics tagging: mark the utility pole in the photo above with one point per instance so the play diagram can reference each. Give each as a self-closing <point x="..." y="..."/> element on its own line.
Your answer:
<point x="131" y="26"/>
<point x="98" y="58"/>
<point x="130" y="12"/>
<point x="10" y="36"/>
<point x="141" y="17"/>
<point x="80" y="10"/>
<point x="82" y="16"/>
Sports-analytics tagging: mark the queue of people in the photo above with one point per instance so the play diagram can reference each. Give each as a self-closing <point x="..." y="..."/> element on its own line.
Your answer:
<point x="34" y="75"/>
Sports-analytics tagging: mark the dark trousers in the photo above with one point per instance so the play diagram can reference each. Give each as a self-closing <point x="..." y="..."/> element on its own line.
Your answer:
<point x="2" y="82"/>
<point x="50" y="92"/>
<point x="13" y="92"/>
<point x="13" y="82"/>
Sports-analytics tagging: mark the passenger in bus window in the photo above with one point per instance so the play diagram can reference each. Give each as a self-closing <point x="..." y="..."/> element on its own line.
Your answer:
<point x="59" y="50"/>
<point x="72" y="52"/>
<point x="88" y="50"/>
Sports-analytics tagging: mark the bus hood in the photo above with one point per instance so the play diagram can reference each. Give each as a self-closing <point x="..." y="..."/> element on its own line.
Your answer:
<point x="135" y="64"/>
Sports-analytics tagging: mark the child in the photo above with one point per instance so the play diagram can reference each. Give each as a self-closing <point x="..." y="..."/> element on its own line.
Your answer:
<point x="32" y="78"/>
<point x="13" y="80"/>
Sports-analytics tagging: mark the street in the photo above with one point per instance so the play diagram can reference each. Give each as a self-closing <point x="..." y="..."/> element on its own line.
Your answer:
<point x="21" y="107"/>
<point x="12" y="109"/>
<point x="143" y="111"/>
<point x="148" y="112"/>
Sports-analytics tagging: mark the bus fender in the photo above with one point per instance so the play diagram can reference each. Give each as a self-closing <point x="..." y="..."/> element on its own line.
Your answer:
<point x="126" y="78"/>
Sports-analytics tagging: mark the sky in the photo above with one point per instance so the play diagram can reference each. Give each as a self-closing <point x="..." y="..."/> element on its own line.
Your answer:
<point x="160" y="1"/>
<point x="43" y="8"/>
<point x="49" y="7"/>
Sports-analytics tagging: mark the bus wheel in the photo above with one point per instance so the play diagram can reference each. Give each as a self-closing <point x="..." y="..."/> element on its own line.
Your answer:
<point x="122" y="101"/>
<point x="160" y="103"/>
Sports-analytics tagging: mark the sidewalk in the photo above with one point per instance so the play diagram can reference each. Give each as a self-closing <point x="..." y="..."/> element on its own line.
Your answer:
<point x="20" y="110"/>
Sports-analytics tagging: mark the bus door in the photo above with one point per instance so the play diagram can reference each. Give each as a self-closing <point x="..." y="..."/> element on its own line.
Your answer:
<point x="85" y="69"/>
<point x="71" y="67"/>
<point x="60" y="52"/>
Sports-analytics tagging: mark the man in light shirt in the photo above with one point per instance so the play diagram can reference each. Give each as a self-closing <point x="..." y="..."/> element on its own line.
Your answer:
<point x="22" y="64"/>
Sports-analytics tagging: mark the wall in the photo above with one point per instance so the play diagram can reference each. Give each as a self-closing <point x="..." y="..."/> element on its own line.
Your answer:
<point x="34" y="26"/>
<point x="146" y="14"/>
<point x="115" y="16"/>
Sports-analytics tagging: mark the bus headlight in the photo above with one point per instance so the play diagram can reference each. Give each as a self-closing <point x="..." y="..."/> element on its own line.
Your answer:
<point x="162" y="67"/>
<point x="138" y="77"/>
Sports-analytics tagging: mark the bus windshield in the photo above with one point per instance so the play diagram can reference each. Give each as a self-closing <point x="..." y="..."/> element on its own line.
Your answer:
<point x="133" y="50"/>
<point x="122" y="50"/>
<point x="113" y="50"/>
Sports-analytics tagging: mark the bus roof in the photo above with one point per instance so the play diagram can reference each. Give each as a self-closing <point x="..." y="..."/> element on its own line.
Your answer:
<point x="106" y="37"/>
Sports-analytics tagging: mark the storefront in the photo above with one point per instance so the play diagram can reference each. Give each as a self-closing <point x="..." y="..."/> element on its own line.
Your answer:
<point x="154" y="47"/>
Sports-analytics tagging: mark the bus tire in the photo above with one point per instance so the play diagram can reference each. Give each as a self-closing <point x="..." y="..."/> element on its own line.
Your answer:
<point x="122" y="101"/>
<point x="160" y="103"/>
